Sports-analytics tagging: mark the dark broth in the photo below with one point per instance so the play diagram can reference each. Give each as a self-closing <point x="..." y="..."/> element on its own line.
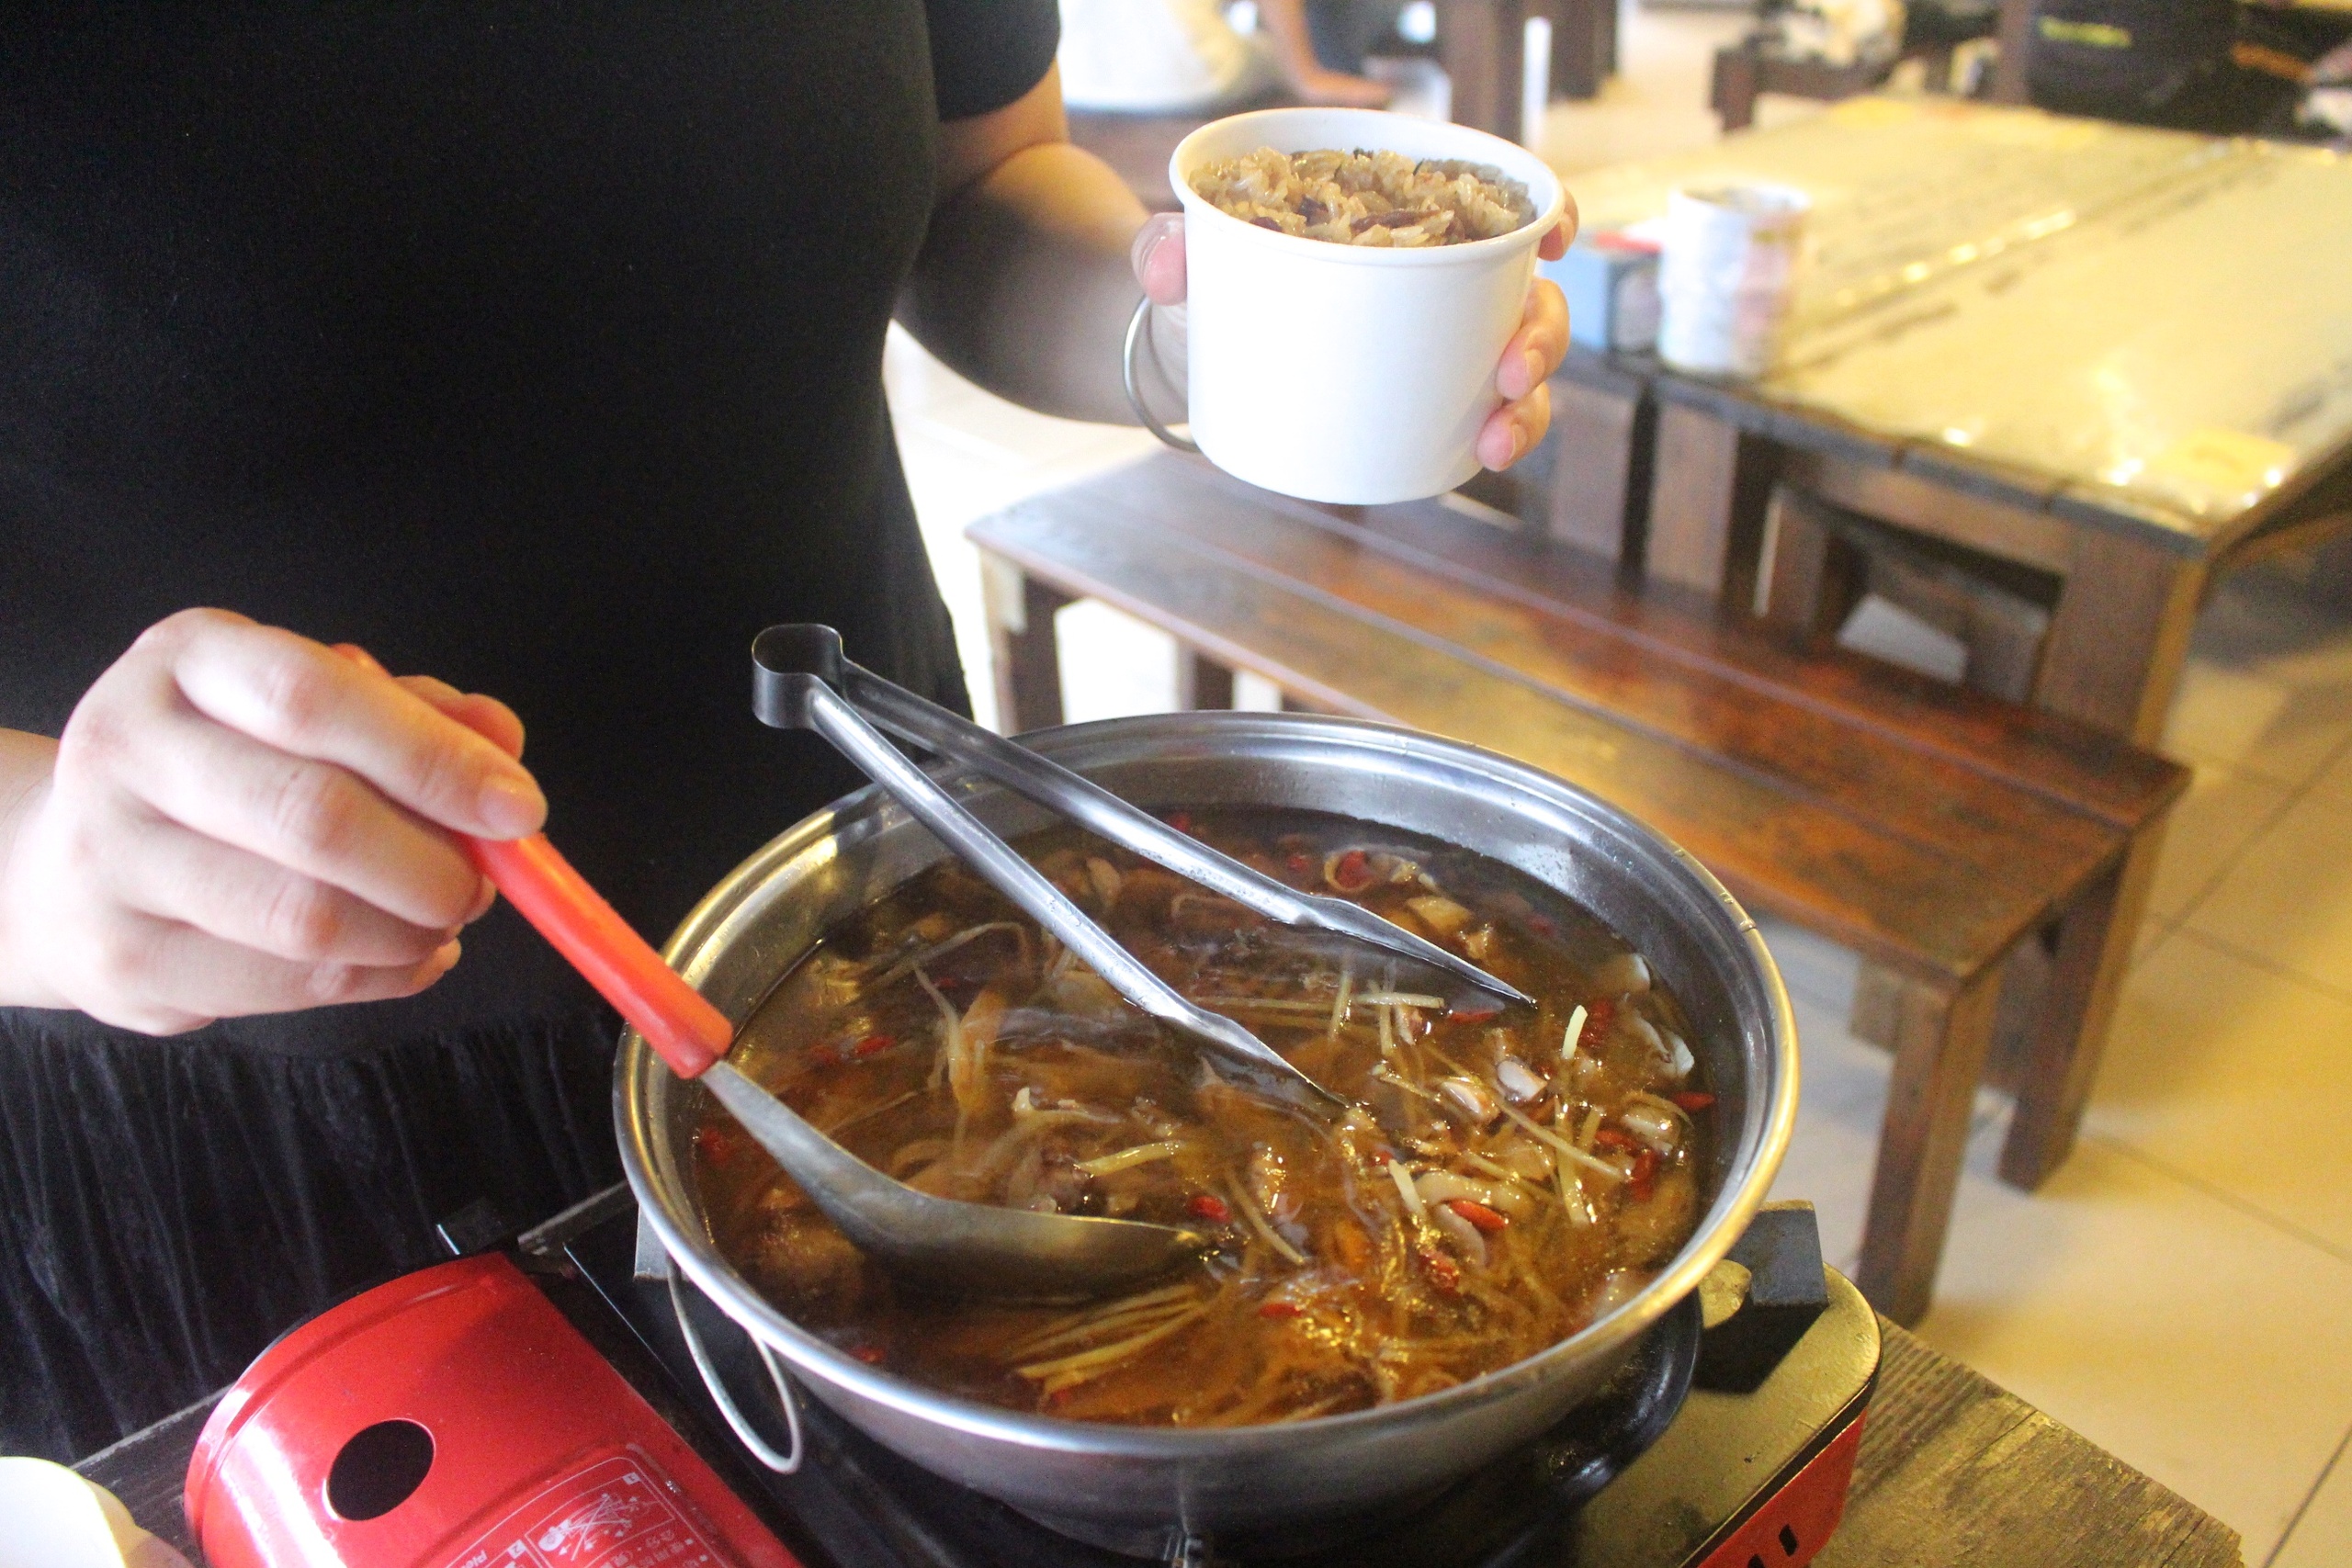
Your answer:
<point x="942" y="1037"/>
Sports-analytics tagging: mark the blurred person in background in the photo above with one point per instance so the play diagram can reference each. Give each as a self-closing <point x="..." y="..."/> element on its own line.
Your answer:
<point x="2215" y="66"/>
<point x="1186" y="57"/>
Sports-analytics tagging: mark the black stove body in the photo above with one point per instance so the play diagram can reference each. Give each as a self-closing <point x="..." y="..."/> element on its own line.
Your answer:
<point x="1727" y="1441"/>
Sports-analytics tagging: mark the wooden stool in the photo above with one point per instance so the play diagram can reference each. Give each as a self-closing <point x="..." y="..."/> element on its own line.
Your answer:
<point x="1933" y="829"/>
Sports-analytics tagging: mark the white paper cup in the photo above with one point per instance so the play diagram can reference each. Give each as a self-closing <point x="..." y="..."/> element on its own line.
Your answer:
<point x="1727" y="274"/>
<point x="1346" y="373"/>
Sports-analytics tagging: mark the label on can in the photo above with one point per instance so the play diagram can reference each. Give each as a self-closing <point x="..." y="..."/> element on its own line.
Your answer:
<point x="615" y="1512"/>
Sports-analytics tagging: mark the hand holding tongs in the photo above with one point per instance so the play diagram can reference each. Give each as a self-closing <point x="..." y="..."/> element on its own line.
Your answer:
<point x="801" y="681"/>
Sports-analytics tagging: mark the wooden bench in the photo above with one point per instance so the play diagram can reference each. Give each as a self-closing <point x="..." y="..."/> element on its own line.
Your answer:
<point x="1932" y="830"/>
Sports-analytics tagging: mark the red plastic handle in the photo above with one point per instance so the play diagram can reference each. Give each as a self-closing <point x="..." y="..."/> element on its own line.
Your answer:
<point x="684" y="1029"/>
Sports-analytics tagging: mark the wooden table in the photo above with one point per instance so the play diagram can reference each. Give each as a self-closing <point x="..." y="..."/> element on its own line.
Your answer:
<point x="2112" y="357"/>
<point x="2107" y="362"/>
<point x="1953" y="1471"/>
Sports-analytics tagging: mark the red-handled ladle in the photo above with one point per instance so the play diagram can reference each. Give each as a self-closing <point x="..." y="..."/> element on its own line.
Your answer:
<point x="935" y="1243"/>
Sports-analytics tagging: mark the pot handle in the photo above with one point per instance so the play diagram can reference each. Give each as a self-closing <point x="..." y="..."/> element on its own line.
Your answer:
<point x="1139" y="341"/>
<point x="784" y="1463"/>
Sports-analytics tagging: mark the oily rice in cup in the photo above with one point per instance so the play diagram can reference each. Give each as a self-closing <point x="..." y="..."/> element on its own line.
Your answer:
<point x="1366" y="198"/>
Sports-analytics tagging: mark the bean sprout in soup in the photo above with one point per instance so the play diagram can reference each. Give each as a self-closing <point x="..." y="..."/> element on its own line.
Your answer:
<point x="1366" y="198"/>
<point x="1507" y="1175"/>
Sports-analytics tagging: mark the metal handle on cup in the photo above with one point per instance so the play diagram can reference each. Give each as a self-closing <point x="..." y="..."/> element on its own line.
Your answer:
<point x="1137" y="338"/>
<point x="782" y="1464"/>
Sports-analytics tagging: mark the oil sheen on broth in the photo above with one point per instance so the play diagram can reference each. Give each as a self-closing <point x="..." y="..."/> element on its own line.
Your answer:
<point x="1509" y="1176"/>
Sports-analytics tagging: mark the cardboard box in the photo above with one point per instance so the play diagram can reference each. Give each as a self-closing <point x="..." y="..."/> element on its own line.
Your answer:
<point x="1611" y="284"/>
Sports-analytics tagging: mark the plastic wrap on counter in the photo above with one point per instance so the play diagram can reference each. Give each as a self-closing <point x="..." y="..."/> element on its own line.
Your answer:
<point x="2159" y="322"/>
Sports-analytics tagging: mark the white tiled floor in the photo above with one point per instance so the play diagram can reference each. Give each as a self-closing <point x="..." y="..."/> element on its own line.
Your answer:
<point x="2181" y="1291"/>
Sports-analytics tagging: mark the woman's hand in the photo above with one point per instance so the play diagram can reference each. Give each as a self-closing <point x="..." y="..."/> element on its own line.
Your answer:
<point x="239" y="821"/>
<point x="1528" y="360"/>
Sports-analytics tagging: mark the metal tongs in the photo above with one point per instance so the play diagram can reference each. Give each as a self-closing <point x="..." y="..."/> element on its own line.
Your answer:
<point x="801" y="681"/>
<point x="935" y="1243"/>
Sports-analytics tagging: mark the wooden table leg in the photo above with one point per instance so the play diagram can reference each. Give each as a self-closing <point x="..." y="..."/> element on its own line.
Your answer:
<point x="1027" y="662"/>
<point x="2120" y="634"/>
<point x="1481" y="44"/>
<point x="1599" y="437"/>
<point x="1811" y="577"/>
<point x="2062" y="1052"/>
<point x="1710" y="485"/>
<point x="1942" y="1034"/>
<point x="1581" y="52"/>
<point x="2051" y="1039"/>
<point x="1201" y="682"/>
<point x="2017" y="38"/>
<point x="1731" y="92"/>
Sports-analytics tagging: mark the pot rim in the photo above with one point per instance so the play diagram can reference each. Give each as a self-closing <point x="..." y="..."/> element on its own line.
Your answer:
<point x="1719" y="1229"/>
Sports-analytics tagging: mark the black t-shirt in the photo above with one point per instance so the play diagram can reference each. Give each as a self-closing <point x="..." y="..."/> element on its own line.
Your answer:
<point x="532" y="345"/>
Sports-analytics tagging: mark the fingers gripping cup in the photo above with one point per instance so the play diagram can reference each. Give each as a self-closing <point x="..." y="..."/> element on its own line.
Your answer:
<point x="1346" y="373"/>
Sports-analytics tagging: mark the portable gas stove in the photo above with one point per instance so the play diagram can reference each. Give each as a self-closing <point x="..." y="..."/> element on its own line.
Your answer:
<point x="1725" y="1446"/>
<point x="461" y="1416"/>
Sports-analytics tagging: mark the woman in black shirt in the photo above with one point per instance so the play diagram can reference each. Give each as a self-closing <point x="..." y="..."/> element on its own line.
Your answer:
<point x="535" y="346"/>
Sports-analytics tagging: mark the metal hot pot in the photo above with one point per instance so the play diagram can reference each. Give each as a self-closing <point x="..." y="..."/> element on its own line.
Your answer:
<point x="1094" y="1478"/>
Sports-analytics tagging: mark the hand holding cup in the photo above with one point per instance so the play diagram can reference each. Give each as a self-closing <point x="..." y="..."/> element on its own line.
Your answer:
<point x="1354" y="373"/>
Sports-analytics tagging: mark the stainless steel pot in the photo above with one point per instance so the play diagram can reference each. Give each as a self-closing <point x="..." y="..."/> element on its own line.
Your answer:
<point x="758" y="922"/>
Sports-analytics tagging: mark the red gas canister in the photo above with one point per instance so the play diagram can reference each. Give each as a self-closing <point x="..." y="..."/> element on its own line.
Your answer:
<point x="454" y="1419"/>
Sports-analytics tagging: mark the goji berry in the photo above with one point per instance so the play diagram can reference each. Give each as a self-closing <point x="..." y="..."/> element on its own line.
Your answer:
<point x="1180" y="820"/>
<point x="1644" y="1178"/>
<point x="870" y="1354"/>
<point x="1299" y="864"/>
<point x="1610" y="1138"/>
<point x="1279" y="1309"/>
<point x="1477" y="1214"/>
<point x="1210" y="1207"/>
<point x="1352" y="873"/>
<point x="1479" y="1014"/>
<point x="1444" y="1273"/>
<point x="1541" y="925"/>
<point x="873" y="1044"/>
<point x="1692" y="1099"/>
